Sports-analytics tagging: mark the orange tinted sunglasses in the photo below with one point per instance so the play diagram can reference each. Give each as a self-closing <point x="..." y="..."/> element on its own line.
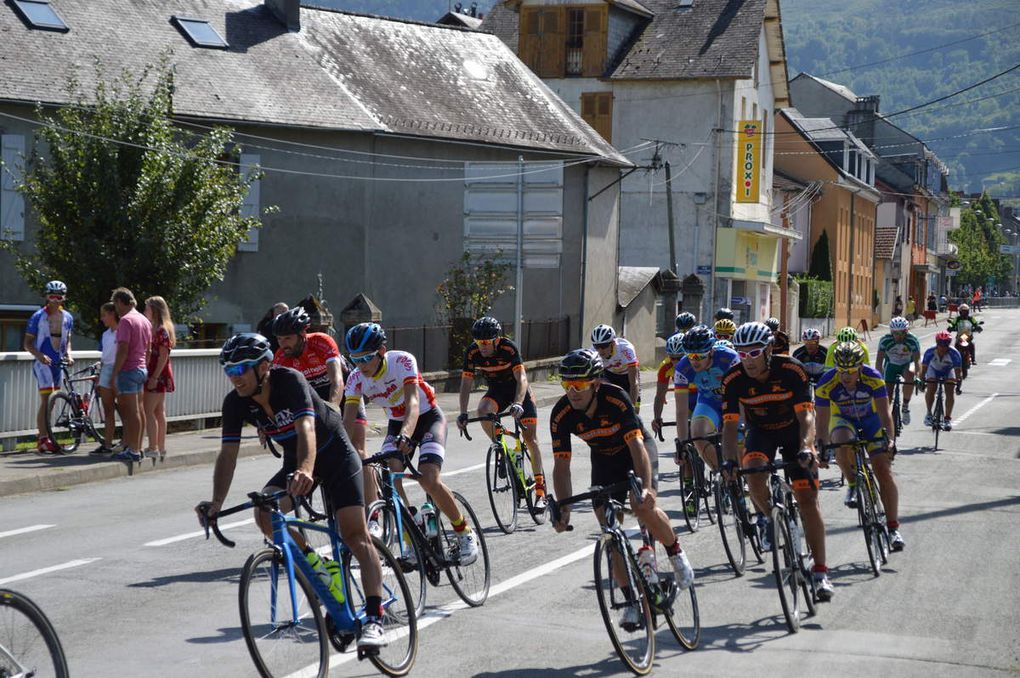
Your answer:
<point x="576" y="384"/>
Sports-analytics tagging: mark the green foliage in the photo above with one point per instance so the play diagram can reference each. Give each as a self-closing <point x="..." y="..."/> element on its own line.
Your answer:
<point x="122" y="200"/>
<point x="821" y="261"/>
<point x="815" y="297"/>
<point x="978" y="240"/>
<point x="469" y="288"/>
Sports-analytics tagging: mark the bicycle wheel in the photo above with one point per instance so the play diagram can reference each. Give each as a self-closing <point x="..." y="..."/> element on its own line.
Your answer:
<point x="63" y="423"/>
<point x="500" y="481"/>
<point x="691" y="502"/>
<point x="679" y="607"/>
<point x="282" y="638"/>
<point x="405" y="548"/>
<point x="739" y="496"/>
<point x="880" y="517"/>
<point x="733" y="539"/>
<point x="804" y="574"/>
<point x="399" y="619"/>
<point x="897" y="419"/>
<point x="936" y="418"/>
<point x="471" y="581"/>
<point x="529" y="490"/>
<point x="634" y="643"/>
<point x="786" y="565"/>
<point x="29" y="645"/>
<point x="866" y="514"/>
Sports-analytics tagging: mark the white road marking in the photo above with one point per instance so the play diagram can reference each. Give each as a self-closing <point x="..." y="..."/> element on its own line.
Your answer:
<point x="200" y="533"/>
<point x="23" y="530"/>
<point x="974" y="409"/>
<point x="46" y="570"/>
<point x="467" y="469"/>
<point x="999" y="362"/>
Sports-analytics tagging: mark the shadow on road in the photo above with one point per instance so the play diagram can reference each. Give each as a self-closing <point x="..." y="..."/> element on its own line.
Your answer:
<point x="941" y="513"/>
<point x="229" y="574"/>
<point x="747" y="637"/>
<point x="228" y="635"/>
<point x="610" y="666"/>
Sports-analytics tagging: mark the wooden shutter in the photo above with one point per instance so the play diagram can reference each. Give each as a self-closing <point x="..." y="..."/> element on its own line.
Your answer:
<point x="251" y="205"/>
<point x="530" y="43"/>
<point x="596" y="45"/>
<point x="597" y="111"/>
<point x="554" y="43"/>
<point x="12" y="203"/>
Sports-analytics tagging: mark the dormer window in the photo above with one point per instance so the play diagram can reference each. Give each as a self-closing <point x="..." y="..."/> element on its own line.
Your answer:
<point x="199" y="32"/>
<point x="40" y="14"/>
<point x="565" y="41"/>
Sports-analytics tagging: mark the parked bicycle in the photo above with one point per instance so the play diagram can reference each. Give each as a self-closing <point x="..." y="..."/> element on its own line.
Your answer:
<point x="508" y="476"/>
<point x="649" y="589"/>
<point x="282" y="599"/>
<point x="29" y="645"/>
<point x="70" y="413"/>
<point x="427" y="546"/>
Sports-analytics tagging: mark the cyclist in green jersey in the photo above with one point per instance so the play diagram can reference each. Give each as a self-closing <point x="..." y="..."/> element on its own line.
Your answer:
<point x="898" y="351"/>
<point x="844" y="335"/>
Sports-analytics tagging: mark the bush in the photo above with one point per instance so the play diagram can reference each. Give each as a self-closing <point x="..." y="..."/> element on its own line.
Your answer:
<point x="815" y="298"/>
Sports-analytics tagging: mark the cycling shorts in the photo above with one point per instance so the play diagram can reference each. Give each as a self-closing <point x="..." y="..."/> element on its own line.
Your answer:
<point x="621" y="380"/>
<point x="761" y="444"/>
<point x="891" y="371"/>
<point x="948" y="374"/>
<point x="338" y="471"/>
<point x="47" y="376"/>
<point x="709" y="409"/>
<point x="502" y="396"/>
<point x="609" y="469"/>
<point x="870" y="428"/>
<point x="429" y="433"/>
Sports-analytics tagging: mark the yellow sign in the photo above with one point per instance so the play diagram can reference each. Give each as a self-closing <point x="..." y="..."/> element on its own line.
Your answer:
<point x="748" y="160"/>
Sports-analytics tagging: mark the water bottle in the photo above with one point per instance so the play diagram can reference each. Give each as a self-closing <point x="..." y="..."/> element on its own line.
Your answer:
<point x="646" y="561"/>
<point x="85" y="403"/>
<point x="329" y="577"/>
<point x="795" y="536"/>
<point x="429" y="521"/>
<point x="519" y="458"/>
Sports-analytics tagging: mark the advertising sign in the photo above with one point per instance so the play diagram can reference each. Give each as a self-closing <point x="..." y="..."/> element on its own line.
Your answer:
<point x="748" y="160"/>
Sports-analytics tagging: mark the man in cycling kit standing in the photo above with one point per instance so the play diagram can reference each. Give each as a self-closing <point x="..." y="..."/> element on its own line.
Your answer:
<point x="941" y="361"/>
<point x="392" y="379"/>
<point x="48" y="339"/>
<point x="812" y="354"/>
<point x="620" y="362"/>
<point x="599" y="414"/>
<point x="773" y="391"/>
<point x="896" y="351"/>
<point x="500" y="361"/>
<point x="850" y="400"/>
<point x="281" y="404"/>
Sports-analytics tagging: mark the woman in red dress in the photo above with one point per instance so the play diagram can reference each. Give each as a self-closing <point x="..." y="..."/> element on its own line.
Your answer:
<point x="161" y="375"/>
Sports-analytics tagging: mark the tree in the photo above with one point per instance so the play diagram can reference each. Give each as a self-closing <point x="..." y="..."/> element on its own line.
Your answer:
<point x="123" y="199"/>
<point x="821" y="262"/>
<point x="978" y="241"/>
<point x="469" y="288"/>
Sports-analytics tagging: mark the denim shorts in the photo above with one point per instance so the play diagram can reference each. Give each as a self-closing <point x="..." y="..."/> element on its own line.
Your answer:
<point x="131" y="381"/>
<point x="106" y="376"/>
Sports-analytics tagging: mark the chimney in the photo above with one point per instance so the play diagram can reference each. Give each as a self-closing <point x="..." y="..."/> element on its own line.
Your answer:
<point x="287" y="12"/>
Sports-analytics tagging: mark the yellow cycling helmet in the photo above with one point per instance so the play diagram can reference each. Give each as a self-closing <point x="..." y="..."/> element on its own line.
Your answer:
<point x="725" y="326"/>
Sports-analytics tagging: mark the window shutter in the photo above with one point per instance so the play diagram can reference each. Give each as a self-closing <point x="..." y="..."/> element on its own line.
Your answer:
<point x="554" y="43"/>
<point x="12" y="203"/>
<point x="595" y="42"/>
<point x="588" y="108"/>
<point x="252" y="201"/>
<point x="530" y="44"/>
<point x="604" y="116"/>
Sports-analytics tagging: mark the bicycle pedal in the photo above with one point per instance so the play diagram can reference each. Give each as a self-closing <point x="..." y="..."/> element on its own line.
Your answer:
<point x="366" y="652"/>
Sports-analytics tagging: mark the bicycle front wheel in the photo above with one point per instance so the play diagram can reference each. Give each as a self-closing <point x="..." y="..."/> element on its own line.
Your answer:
<point x="405" y="547"/>
<point x="869" y="524"/>
<point x="678" y="606"/>
<point x="537" y="515"/>
<point x="733" y="539"/>
<point x="689" y="493"/>
<point x="63" y="423"/>
<point x="29" y="645"/>
<point x="470" y="580"/>
<point x="501" y="482"/>
<point x="786" y="565"/>
<point x="632" y="635"/>
<point x="283" y="636"/>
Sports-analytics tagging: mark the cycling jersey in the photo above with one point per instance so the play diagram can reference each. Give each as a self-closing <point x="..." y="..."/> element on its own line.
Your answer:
<point x="386" y="386"/>
<point x="500" y="367"/>
<point x="961" y="324"/>
<point x="708" y="381"/>
<point x="665" y="376"/>
<point x="830" y="360"/>
<point x="624" y="357"/>
<point x="814" y="363"/>
<point x="771" y="404"/>
<point x="48" y="376"/>
<point x="941" y="367"/>
<point x="607" y="432"/>
<point x="318" y="352"/>
<point x="780" y="343"/>
<point x="858" y="404"/>
<point x="899" y="352"/>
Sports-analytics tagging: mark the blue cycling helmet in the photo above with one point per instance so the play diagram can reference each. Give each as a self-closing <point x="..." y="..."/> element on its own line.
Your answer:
<point x="365" y="337"/>
<point x="675" y="345"/>
<point x="699" y="339"/>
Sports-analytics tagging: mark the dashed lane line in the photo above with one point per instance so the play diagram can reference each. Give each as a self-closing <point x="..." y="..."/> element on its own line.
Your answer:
<point x="200" y="533"/>
<point x="47" y="570"/>
<point x="23" y="530"/>
<point x="974" y="409"/>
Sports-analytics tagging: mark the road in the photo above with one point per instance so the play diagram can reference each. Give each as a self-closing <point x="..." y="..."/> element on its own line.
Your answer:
<point x="133" y="589"/>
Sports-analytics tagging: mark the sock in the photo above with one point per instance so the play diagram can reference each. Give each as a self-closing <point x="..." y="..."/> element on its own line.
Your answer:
<point x="820" y="568"/>
<point x="540" y="484"/>
<point x="892" y="524"/>
<point x="460" y="526"/>
<point x="373" y="606"/>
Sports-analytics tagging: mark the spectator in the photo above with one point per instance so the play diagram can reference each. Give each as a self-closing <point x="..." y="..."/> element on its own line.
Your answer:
<point x="976" y="299"/>
<point x="931" y="309"/>
<point x="134" y="334"/>
<point x="48" y="339"/>
<point x="107" y="392"/>
<point x="943" y="303"/>
<point x="265" y="326"/>
<point x="160" y="375"/>
<point x="911" y="309"/>
<point x="897" y="309"/>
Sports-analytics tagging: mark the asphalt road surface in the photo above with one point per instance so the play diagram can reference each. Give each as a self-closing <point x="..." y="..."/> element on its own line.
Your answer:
<point x="134" y="589"/>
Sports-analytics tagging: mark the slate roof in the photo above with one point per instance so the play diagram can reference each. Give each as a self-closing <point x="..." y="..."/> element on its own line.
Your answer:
<point x="341" y="71"/>
<point x="885" y="241"/>
<point x="632" y="280"/>
<point x="460" y="19"/>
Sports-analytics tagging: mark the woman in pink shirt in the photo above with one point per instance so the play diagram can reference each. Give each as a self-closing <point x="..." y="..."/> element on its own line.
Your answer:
<point x="160" y="375"/>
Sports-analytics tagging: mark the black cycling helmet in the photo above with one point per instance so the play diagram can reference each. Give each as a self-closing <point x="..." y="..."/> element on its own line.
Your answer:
<point x="365" y="337"/>
<point x="724" y="313"/>
<point x="581" y="363"/>
<point x="772" y="324"/>
<point x="685" y="321"/>
<point x="246" y="348"/>
<point x="699" y="339"/>
<point x="486" y="328"/>
<point x="848" y="355"/>
<point x="294" y="321"/>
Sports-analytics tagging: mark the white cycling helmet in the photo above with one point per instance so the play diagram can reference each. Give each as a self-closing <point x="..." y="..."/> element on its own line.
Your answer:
<point x="674" y="345"/>
<point x="811" y="334"/>
<point x="602" y="334"/>
<point x="56" y="287"/>
<point x="752" y="334"/>
<point x="898" y="323"/>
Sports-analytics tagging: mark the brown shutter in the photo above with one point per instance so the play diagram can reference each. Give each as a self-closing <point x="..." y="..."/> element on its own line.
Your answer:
<point x="595" y="41"/>
<point x="588" y="108"/>
<point x="554" y="43"/>
<point x="597" y="111"/>
<point x="530" y="44"/>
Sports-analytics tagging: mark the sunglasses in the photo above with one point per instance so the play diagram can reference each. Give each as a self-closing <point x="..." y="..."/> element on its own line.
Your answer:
<point x="55" y="297"/>
<point x="236" y="370"/>
<point x="753" y="353"/>
<point x="605" y="345"/>
<point x="576" y="384"/>
<point x="943" y="343"/>
<point x="361" y="360"/>
<point x="849" y="371"/>
<point x="694" y="357"/>
<point x="485" y="342"/>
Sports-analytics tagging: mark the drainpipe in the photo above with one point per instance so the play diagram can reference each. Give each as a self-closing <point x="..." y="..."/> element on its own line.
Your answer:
<point x="584" y="252"/>
<point x="850" y="266"/>
<point x="718" y="168"/>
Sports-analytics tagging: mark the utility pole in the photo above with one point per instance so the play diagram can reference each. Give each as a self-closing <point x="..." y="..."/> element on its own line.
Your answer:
<point x="654" y="164"/>
<point x="519" y="281"/>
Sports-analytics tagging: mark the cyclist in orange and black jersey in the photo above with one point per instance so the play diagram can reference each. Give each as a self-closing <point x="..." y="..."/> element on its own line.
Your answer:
<point x="664" y="381"/>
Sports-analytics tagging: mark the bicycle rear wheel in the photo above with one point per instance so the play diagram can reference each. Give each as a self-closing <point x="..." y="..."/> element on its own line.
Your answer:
<point x="501" y="483"/>
<point x="405" y="548"/>
<point x="63" y="423"/>
<point x="733" y="539"/>
<point x="678" y="606"/>
<point x="786" y="565"/>
<point x="399" y="619"/>
<point x="282" y="638"/>
<point x="936" y="418"/>
<point x="29" y="645"/>
<point x="634" y="644"/>
<point x="689" y="493"/>
<point x="470" y="581"/>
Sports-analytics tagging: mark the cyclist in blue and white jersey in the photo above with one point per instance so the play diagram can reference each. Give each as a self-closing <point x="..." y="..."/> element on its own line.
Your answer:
<point x="941" y="361"/>
<point x="48" y="339"/>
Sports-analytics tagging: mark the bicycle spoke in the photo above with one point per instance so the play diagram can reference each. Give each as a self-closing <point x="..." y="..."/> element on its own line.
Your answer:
<point x="634" y="641"/>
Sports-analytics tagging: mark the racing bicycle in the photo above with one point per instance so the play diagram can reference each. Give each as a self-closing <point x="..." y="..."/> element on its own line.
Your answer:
<point x="29" y="645"/>
<point x="70" y="413"/>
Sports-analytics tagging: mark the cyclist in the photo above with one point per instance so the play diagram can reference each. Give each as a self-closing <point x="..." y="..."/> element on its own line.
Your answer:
<point x="853" y="398"/>
<point x="941" y="361"/>
<point x="48" y="339"/>
<point x="664" y="380"/>
<point x="620" y="362"/>
<point x="685" y="321"/>
<point x="705" y="364"/>
<point x="280" y="403"/>
<point x="812" y="354"/>
<point x="500" y="361"/>
<point x="773" y="325"/>
<point x="315" y="355"/>
<point x="773" y="392"/>
<point x="965" y="322"/>
<point x="598" y="413"/>
<point x="724" y="329"/>
<point x="724" y="313"/>
<point x="392" y="379"/>
<point x="896" y="351"/>
<point x="844" y="335"/>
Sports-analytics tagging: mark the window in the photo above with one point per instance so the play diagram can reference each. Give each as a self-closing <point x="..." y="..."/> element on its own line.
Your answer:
<point x="198" y="32"/>
<point x="575" y="41"/>
<point x="12" y="203"/>
<point x="12" y="333"/>
<point x="251" y="207"/>
<point x="39" y="14"/>
<point x="597" y="111"/>
<point x="557" y="42"/>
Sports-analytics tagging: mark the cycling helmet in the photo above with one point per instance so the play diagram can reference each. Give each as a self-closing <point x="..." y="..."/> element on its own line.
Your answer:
<point x="725" y="326"/>
<point x="811" y="334"/>
<point x="364" y="337"/>
<point x="675" y="345"/>
<point x="486" y="328"/>
<point x="56" y="287"/>
<point x="700" y="339"/>
<point x="848" y="355"/>
<point x="581" y="363"/>
<point x="245" y="348"/>
<point x="944" y="338"/>
<point x="753" y="334"/>
<point x="294" y="321"/>
<point x="602" y="334"/>
<point x="846" y="334"/>
<point x="772" y="324"/>
<point x="961" y="308"/>
<point x="685" y="321"/>
<point x="723" y="343"/>
<point x="724" y="313"/>
<point x="898" y="323"/>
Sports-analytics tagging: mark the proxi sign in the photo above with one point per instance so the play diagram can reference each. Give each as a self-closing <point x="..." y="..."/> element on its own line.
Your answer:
<point x="748" y="160"/>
